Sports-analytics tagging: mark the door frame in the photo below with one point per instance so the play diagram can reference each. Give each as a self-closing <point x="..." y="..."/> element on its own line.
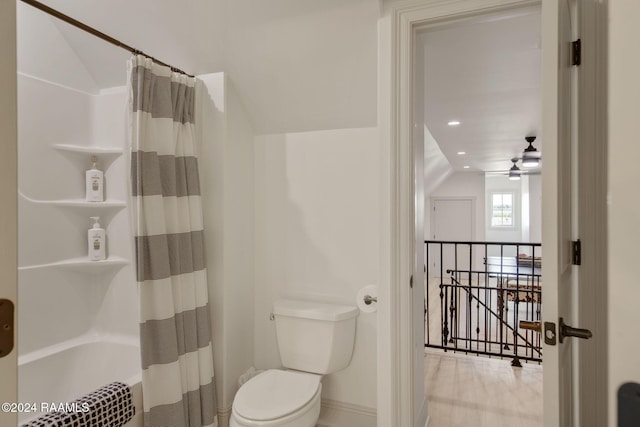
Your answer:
<point x="399" y="21"/>
<point x="397" y="27"/>
<point x="592" y="160"/>
<point x="8" y="195"/>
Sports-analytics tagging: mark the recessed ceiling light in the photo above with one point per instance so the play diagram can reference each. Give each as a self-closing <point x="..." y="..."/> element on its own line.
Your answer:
<point x="466" y="167"/>
<point x="453" y="123"/>
<point x="461" y="153"/>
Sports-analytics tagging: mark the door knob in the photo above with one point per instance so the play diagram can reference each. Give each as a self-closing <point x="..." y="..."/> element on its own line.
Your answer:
<point x="568" y="331"/>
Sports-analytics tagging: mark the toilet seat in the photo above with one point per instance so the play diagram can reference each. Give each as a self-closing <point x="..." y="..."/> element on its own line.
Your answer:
<point x="274" y="394"/>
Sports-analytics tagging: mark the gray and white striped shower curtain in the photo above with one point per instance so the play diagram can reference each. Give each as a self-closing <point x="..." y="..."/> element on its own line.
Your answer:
<point x="177" y="362"/>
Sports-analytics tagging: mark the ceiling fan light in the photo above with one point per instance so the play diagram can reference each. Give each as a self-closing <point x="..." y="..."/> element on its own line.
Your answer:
<point x="530" y="156"/>
<point x="514" y="172"/>
<point x="529" y="161"/>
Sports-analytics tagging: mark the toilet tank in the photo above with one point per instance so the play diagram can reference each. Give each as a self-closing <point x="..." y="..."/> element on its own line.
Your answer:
<point x="315" y="337"/>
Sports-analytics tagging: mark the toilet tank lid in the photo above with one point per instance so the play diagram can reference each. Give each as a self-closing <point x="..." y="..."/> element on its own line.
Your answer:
<point x="314" y="310"/>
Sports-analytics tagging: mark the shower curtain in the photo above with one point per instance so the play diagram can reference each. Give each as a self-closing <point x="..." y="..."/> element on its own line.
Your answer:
<point x="177" y="363"/>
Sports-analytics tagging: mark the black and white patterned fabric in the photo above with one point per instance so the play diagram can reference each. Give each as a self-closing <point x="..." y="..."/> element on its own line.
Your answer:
<point x="108" y="406"/>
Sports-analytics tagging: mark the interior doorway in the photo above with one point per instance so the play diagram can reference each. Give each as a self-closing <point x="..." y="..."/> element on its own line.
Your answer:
<point x="480" y="84"/>
<point x="564" y="118"/>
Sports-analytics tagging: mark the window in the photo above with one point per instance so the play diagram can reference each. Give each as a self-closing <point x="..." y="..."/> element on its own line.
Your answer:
<point x="502" y="210"/>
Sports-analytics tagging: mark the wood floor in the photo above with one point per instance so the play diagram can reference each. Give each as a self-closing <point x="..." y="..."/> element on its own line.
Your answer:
<point x="470" y="391"/>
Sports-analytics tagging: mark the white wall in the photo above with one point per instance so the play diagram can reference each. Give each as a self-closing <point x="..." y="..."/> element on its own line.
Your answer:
<point x="437" y="167"/>
<point x="461" y="184"/>
<point x="226" y="170"/>
<point x="624" y="205"/>
<point x="40" y="45"/>
<point x="184" y="34"/>
<point x="535" y="208"/>
<point x="317" y="237"/>
<point x="45" y="51"/>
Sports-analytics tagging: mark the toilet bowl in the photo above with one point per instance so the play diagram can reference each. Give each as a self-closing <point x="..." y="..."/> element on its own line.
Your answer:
<point x="277" y="398"/>
<point x="314" y="339"/>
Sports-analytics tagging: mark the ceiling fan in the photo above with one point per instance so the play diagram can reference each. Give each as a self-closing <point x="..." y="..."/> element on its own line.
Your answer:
<point x="530" y="159"/>
<point x="530" y="156"/>
<point x="515" y="172"/>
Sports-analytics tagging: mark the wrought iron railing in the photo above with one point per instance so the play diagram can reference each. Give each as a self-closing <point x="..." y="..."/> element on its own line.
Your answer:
<point x="476" y="294"/>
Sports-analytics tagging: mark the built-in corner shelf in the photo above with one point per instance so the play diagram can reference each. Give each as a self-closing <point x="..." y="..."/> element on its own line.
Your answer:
<point x="81" y="154"/>
<point x="80" y="203"/>
<point x="114" y="205"/>
<point x="82" y="265"/>
<point x="83" y="149"/>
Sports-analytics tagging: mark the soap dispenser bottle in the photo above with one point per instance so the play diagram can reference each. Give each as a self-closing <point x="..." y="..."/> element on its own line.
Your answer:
<point x="94" y="183"/>
<point x="96" y="240"/>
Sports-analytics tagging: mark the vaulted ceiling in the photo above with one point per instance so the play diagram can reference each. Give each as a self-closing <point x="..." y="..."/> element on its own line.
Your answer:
<point x="297" y="64"/>
<point x="486" y="75"/>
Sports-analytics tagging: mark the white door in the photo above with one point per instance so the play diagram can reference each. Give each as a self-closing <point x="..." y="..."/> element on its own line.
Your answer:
<point x="558" y="198"/>
<point x="452" y="220"/>
<point x="8" y="207"/>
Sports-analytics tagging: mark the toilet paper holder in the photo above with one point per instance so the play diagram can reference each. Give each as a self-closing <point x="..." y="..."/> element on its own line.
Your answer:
<point x="368" y="299"/>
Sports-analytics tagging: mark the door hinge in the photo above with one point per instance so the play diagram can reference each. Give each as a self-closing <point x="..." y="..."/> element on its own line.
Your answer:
<point x="576" y="52"/>
<point x="576" y="252"/>
<point x="411" y="281"/>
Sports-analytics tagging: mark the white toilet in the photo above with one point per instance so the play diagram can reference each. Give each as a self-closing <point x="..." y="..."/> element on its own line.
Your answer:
<point x="314" y="339"/>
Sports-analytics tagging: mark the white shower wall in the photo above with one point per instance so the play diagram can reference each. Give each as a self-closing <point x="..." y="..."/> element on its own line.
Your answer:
<point x="60" y="302"/>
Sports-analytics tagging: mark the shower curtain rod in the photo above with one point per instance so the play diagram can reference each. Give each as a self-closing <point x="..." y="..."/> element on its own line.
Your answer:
<point x="99" y="34"/>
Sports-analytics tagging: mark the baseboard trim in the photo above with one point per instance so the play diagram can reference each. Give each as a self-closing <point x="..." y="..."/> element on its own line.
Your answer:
<point x="423" y="418"/>
<point x="341" y="414"/>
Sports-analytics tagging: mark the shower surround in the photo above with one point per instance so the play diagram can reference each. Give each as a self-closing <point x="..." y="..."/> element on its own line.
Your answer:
<point x="78" y="319"/>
